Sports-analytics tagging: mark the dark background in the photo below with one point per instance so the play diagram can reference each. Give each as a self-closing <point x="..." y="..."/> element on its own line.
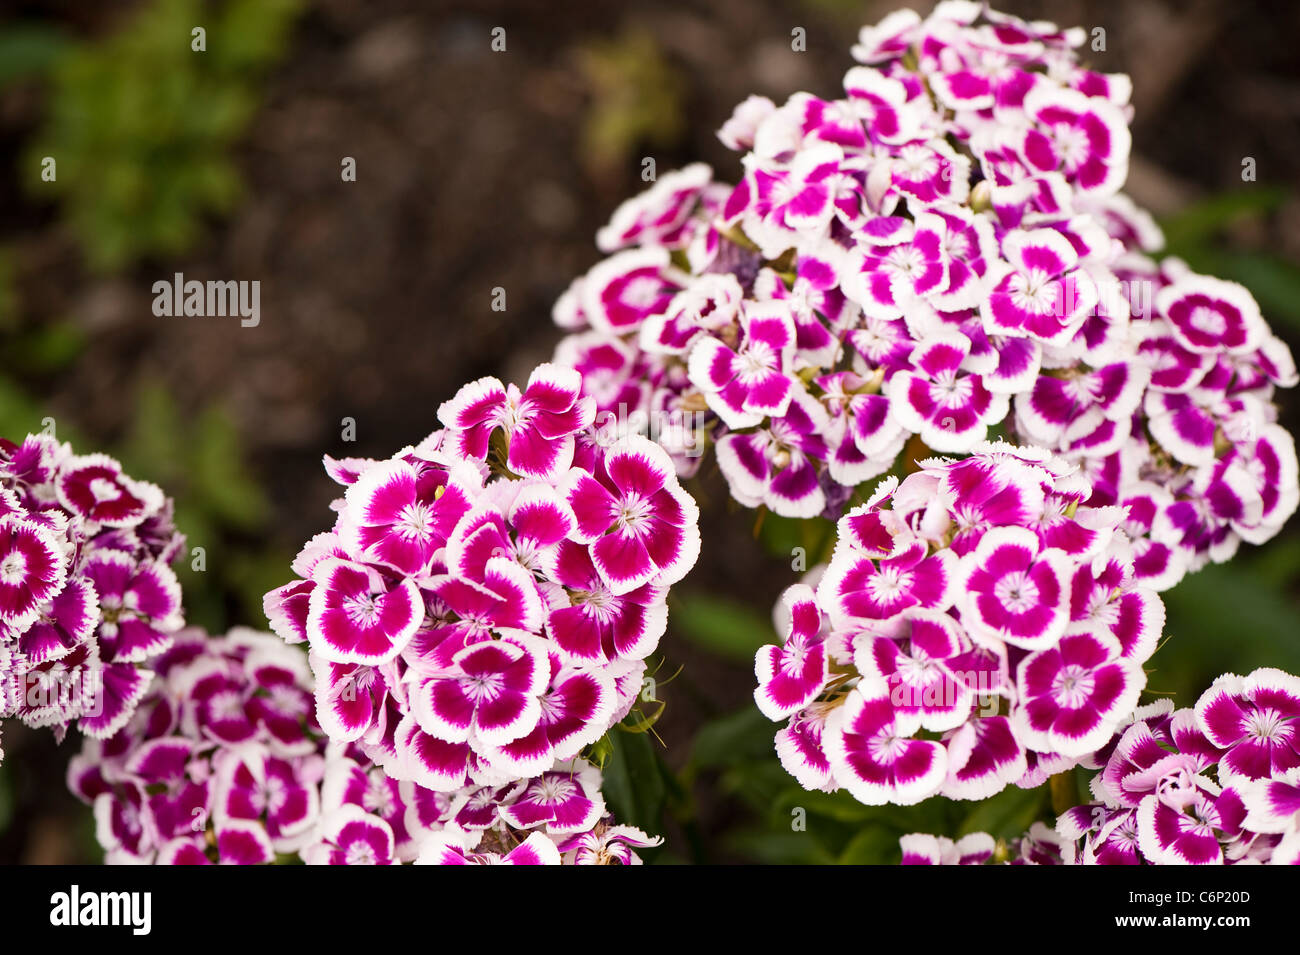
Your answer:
<point x="478" y="170"/>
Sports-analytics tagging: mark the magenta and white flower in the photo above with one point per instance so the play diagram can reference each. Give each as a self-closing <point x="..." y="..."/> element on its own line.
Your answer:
<point x="753" y="381"/>
<point x="539" y="423"/>
<point x="792" y="676"/>
<point x="640" y="525"/>
<point x="873" y="754"/>
<point x="936" y="398"/>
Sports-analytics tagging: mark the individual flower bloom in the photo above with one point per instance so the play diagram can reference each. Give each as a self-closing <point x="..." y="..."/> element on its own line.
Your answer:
<point x="882" y="343"/>
<point x="794" y="203"/>
<point x="1272" y="805"/>
<point x="857" y="588"/>
<point x="214" y="700"/>
<point x="1014" y="589"/>
<point x="897" y="264"/>
<point x="872" y="753"/>
<point x="657" y="215"/>
<point x="737" y="133"/>
<point x="607" y="844"/>
<point x="970" y="246"/>
<point x="799" y="748"/>
<point x="1174" y="368"/>
<point x="475" y="810"/>
<point x="710" y="303"/>
<point x="1158" y="564"/>
<point x="918" y="667"/>
<point x="776" y="465"/>
<point x="1109" y="836"/>
<point x="1144" y="753"/>
<point x="594" y="625"/>
<point x="282" y="701"/>
<point x="356" y="616"/>
<point x="986" y="491"/>
<point x="621" y="292"/>
<point x="347" y="781"/>
<point x="448" y="849"/>
<point x="641" y="525"/>
<point x="487" y="692"/>
<point x="281" y="794"/>
<point x="792" y="675"/>
<point x="887" y="40"/>
<point x="174" y="801"/>
<point x="523" y="520"/>
<point x="1105" y="599"/>
<point x="33" y="569"/>
<point x="817" y="305"/>
<point x="139" y="603"/>
<point x="503" y="599"/>
<point x="1257" y="720"/>
<point x="120" y="826"/>
<point x="753" y="381"/>
<point x="351" y="836"/>
<point x="539" y="423"/>
<point x="1084" y="137"/>
<point x="984" y="757"/>
<point x="422" y="758"/>
<point x="1071" y="696"/>
<point x="1181" y="823"/>
<point x="1038" y="291"/>
<point x="1182" y="426"/>
<point x="922" y="849"/>
<point x="950" y="409"/>
<point x="1039" y="846"/>
<point x="1270" y="458"/>
<point x="1211" y="316"/>
<point x="577" y="708"/>
<point x="399" y="514"/>
<point x="566" y="799"/>
<point x="930" y="172"/>
<point x="1064" y="412"/>
<point x="94" y="487"/>
<point x="239" y="843"/>
<point x="63" y="621"/>
<point x="1006" y="364"/>
<point x="612" y="370"/>
<point x="880" y="106"/>
<point x="348" y="696"/>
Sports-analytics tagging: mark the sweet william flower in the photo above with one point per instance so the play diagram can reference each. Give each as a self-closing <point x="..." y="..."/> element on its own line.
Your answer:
<point x="539" y="422"/>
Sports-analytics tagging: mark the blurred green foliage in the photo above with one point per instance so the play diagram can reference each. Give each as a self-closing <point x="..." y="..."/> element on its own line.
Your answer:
<point x="637" y="100"/>
<point x="141" y="126"/>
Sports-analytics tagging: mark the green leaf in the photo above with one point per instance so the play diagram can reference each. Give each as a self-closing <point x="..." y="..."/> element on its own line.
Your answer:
<point x="874" y="845"/>
<point x="634" y="785"/>
<point x="744" y="734"/>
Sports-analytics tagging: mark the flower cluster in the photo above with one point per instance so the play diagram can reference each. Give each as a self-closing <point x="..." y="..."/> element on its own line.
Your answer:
<point x="941" y="252"/>
<point x="1041" y="845"/>
<point x="484" y="604"/>
<point x="978" y="625"/>
<point x="87" y="599"/>
<point x="224" y="762"/>
<point x="1216" y="784"/>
